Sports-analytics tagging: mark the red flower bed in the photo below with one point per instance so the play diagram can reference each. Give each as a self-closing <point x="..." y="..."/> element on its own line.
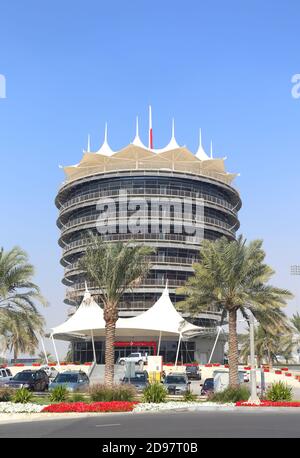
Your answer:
<point x="247" y="368"/>
<point x="208" y="365"/>
<point x="87" y="364"/>
<point x="268" y="404"/>
<point x="284" y="368"/>
<point x="36" y="364"/>
<point x="278" y="372"/>
<point x="114" y="406"/>
<point x="288" y="374"/>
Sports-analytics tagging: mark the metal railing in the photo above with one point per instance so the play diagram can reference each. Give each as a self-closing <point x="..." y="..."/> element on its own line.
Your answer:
<point x="172" y="283"/>
<point x="111" y="193"/>
<point x="136" y="237"/>
<point x="153" y="259"/>
<point x="189" y="217"/>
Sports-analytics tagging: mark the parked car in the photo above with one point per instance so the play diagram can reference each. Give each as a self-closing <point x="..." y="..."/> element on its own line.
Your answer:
<point x="72" y="380"/>
<point x="193" y="372"/>
<point x="207" y="387"/>
<point x="137" y="358"/>
<point x="177" y="383"/>
<point x="140" y="380"/>
<point x="5" y="375"/>
<point x="50" y="371"/>
<point x="33" y="380"/>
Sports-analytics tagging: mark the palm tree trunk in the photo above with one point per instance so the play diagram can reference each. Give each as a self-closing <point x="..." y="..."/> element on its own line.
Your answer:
<point x="233" y="349"/>
<point x="110" y="317"/>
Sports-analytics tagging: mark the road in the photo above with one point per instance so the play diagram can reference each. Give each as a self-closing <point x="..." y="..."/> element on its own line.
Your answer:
<point x="241" y="423"/>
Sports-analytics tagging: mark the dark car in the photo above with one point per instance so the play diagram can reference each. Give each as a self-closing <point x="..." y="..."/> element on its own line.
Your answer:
<point x="32" y="380"/>
<point x="140" y="380"/>
<point x="207" y="387"/>
<point x="193" y="372"/>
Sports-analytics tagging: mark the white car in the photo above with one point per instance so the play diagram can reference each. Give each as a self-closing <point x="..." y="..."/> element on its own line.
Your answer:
<point x="137" y="358"/>
<point x="5" y="375"/>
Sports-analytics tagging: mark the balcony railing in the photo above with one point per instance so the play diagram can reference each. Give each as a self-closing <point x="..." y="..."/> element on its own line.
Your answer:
<point x="177" y="216"/>
<point x="172" y="260"/>
<point x="112" y="193"/>
<point x="136" y="237"/>
<point x="79" y="288"/>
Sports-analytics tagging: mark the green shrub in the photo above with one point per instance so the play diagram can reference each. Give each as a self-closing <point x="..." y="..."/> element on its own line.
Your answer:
<point x="77" y="397"/>
<point x="231" y="394"/>
<point x="6" y="394"/>
<point x="155" y="392"/>
<point x="279" y="391"/>
<point x="101" y="392"/>
<point x="22" y="395"/>
<point x="189" y="396"/>
<point x="59" y="394"/>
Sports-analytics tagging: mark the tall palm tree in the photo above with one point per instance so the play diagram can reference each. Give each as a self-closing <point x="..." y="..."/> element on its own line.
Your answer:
<point x="20" y="330"/>
<point x="17" y="291"/>
<point x="114" y="268"/>
<point x="19" y="296"/>
<point x="230" y="277"/>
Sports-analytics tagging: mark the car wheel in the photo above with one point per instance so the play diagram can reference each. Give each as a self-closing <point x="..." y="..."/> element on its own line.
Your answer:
<point x="140" y="362"/>
<point x="122" y="362"/>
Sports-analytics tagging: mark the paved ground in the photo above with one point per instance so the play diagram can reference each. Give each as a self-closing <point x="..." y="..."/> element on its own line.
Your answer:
<point x="241" y="423"/>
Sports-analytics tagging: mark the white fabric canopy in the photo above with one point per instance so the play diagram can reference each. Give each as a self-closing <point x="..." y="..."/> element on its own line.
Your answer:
<point x="162" y="318"/>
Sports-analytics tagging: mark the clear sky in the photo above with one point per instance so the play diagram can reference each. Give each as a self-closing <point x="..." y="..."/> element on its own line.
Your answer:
<point x="223" y="66"/>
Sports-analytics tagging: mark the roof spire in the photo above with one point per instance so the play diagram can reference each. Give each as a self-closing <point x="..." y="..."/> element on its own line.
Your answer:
<point x="201" y="154"/>
<point x="105" y="149"/>
<point x="173" y="128"/>
<point x="105" y="133"/>
<point x="137" y="141"/>
<point x="88" y="150"/>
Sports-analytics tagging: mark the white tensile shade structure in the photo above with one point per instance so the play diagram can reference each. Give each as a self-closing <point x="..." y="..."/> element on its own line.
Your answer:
<point x="161" y="319"/>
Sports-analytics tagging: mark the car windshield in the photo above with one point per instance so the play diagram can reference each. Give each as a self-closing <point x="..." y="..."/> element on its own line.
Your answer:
<point x="66" y="378"/>
<point x="139" y="379"/>
<point x="191" y="369"/>
<point x="24" y="376"/>
<point x="208" y="384"/>
<point x="175" y="379"/>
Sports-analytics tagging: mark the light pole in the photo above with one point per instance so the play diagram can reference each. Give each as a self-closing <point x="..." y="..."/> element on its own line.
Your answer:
<point x="253" y="397"/>
<point x="295" y="270"/>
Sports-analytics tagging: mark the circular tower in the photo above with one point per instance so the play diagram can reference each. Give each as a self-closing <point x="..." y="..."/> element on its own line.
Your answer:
<point x="169" y="199"/>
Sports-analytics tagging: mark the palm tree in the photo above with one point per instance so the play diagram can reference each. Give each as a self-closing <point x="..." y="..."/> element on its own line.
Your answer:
<point x="17" y="291"/>
<point x="230" y="277"/>
<point x="114" y="268"/>
<point x="42" y="357"/>
<point x="296" y="322"/>
<point x="20" y="330"/>
<point x="19" y="317"/>
<point x="268" y="345"/>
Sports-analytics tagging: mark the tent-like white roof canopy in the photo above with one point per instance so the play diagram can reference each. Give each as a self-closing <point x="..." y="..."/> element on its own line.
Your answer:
<point x="162" y="318"/>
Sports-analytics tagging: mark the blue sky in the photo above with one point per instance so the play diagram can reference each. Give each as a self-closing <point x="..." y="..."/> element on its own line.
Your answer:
<point x="223" y="66"/>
